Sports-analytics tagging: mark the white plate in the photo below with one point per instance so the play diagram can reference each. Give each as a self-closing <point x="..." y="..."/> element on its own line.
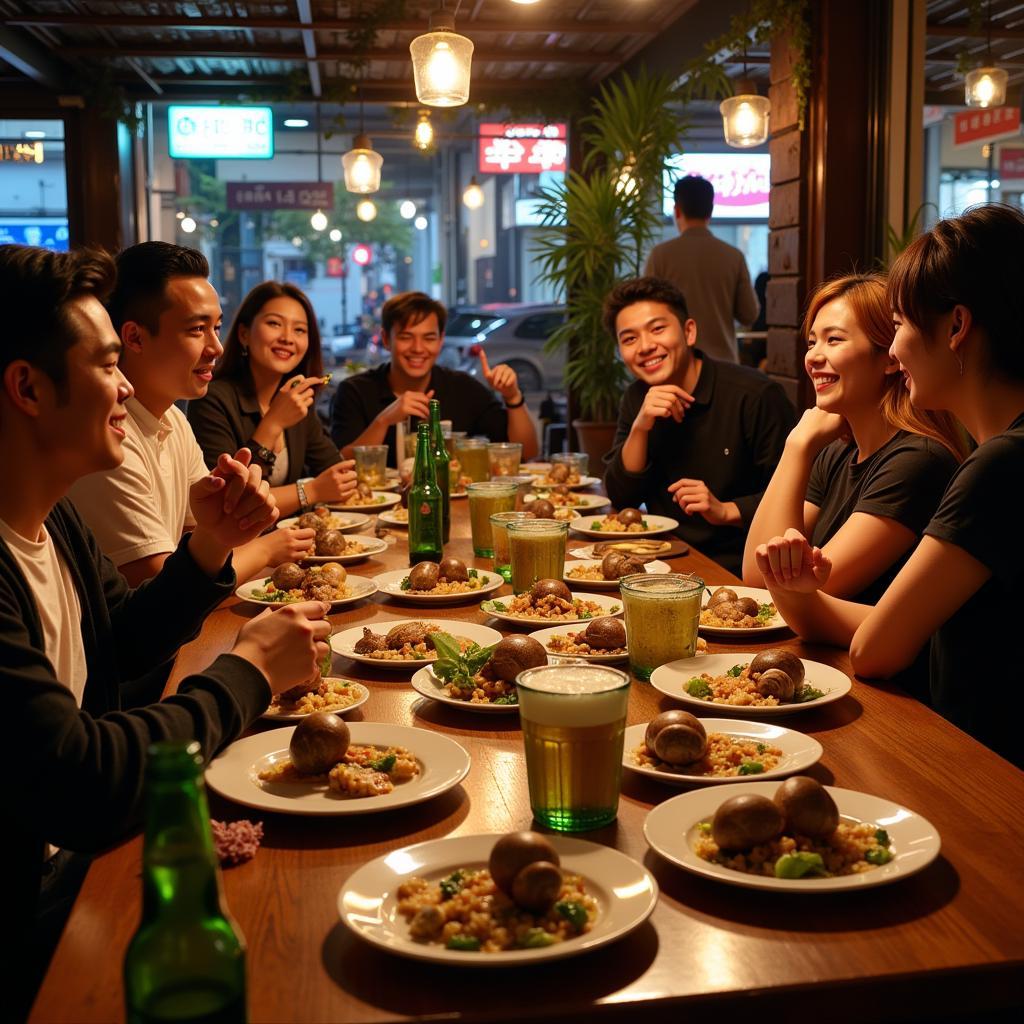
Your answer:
<point x="371" y="546"/>
<point x="586" y="552"/>
<point x="626" y="894"/>
<point x="233" y="773"/>
<point x="349" y="523"/>
<point x="671" y="678"/>
<point x="364" y="696"/>
<point x="670" y="830"/>
<point x="583" y="501"/>
<point x="424" y="682"/>
<point x="390" y="583"/>
<point x="381" y="500"/>
<point x="584" y="481"/>
<point x="344" y="640"/>
<point x="776" y="622"/>
<point x="389" y="518"/>
<point x="535" y="468"/>
<point x="359" y="585"/>
<point x="542" y="636"/>
<point x="798" y="752"/>
<point x="459" y="494"/>
<point x="606" y="602"/>
<point x="652" y="567"/>
<point x="655" y="524"/>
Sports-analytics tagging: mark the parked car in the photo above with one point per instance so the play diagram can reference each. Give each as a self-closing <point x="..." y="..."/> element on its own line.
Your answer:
<point x="508" y="333"/>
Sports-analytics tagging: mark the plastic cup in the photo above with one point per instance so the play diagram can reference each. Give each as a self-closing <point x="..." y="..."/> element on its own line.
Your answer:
<point x="371" y="464"/>
<point x="577" y="463"/>
<point x="525" y="485"/>
<point x="574" y="721"/>
<point x="486" y="498"/>
<point x="499" y="538"/>
<point x="662" y="615"/>
<point x="536" y="551"/>
<point x="472" y="455"/>
<point x="504" y="459"/>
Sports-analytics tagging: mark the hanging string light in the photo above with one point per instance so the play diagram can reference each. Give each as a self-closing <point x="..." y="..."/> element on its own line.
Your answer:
<point x="441" y="63"/>
<point x="366" y="210"/>
<point x="986" y="86"/>
<point x="407" y="209"/>
<point x="423" y="136"/>
<point x="745" y="113"/>
<point x="318" y="221"/>
<point x="362" y="163"/>
<point x="188" y="224"/>
<point x="473" y="197"/>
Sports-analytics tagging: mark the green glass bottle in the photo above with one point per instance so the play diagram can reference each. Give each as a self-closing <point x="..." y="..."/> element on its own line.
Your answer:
<point x="441" y="467"/>
<point x="186" y="961"/>
<point x="426" y="530"/>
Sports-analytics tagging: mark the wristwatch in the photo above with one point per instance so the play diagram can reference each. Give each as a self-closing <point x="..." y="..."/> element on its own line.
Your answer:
<point x="516" y="405"/>
<point x="300" y="488"/>
<point x="261" y="454"/>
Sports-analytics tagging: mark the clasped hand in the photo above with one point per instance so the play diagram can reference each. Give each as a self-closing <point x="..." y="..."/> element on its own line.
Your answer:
<point x="790" y="563"/>
<point x="233" y="504"/>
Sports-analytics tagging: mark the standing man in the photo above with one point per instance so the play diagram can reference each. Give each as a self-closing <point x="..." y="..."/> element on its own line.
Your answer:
<point x="697" y="439"/>
<point x="368" y="405"/>
<point x="168" y="317"/>
<point x="711" y="274"/>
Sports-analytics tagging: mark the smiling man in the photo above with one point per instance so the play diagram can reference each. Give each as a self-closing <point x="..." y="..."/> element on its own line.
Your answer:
<point x="368" y="405"/>
<point x="695" y="436"/>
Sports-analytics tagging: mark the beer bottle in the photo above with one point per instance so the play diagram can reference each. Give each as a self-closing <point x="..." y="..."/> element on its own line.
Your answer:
<point x="186" y="961"/>
<point x="425" y="504"/>
<point x="441" y="467"/>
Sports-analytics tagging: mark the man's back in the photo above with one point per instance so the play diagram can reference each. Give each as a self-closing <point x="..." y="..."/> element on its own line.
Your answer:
<point x="713" y="277"/>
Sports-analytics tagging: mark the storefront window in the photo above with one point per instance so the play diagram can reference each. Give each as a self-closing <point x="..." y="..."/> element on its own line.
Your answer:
<point x="33" y="185"/>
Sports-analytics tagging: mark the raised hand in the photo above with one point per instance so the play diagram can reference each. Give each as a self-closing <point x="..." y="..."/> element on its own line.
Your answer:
<point x="232" y="505"/>
<point x="334" y="483"/>
<point x="790" y="563"/>
<point x="816" y="429"/>
<point x="694" y="498"/>
<point x="286" y="644"/>
<point x="502" y="378"/>
<point x="291" y="404"/>
<point x="663" y="401"/>
<point x="409" y="403"/>
<point x="288" y="545"/>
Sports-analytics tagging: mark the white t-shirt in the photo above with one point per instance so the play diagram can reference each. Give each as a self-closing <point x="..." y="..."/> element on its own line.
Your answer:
<point x="57" y="604"/>
<point x="141" y="508"/>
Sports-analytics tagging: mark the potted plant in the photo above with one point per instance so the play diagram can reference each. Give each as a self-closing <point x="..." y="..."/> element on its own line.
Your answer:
<point x="598" y="226"/>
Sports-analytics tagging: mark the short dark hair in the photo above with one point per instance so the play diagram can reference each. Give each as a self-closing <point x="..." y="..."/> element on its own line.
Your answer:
<point x="36" y="286"/>
<point x="975" y="260"/>
<point x="410" y="308"/>
<point x="695" y="196"/>
<point x="234" y="365"/>
<point x="143" y="271"/>
<point x="643" y="289"/>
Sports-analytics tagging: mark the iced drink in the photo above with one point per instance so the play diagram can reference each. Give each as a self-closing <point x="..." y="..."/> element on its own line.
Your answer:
<point x="662" y="613"/>
<point x="371" y="464"/>
<point x="504" y="459"/>
<point x="536" y="551"/>
<point x="574" y="719"/>
<point x="486" y="498"/>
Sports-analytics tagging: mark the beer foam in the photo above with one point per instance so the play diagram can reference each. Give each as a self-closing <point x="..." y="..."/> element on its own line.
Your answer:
<point x="573" y="696"/>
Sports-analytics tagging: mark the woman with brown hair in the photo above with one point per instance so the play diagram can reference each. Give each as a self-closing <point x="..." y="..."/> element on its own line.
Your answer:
<point x="863" y="471"/>
<point x="263" y="396"/>
<point x="959" y="310"/>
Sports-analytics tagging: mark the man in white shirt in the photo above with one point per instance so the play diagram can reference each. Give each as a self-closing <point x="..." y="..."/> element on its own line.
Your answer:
<point x="168" y="316"/>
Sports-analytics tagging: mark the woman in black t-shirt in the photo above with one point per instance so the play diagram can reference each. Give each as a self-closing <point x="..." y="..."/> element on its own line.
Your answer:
<point x="863" y="471"/>
<point x="959" y="312"/>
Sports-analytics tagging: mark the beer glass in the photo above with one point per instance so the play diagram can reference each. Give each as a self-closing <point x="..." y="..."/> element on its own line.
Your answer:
<point x="574" y="720"/>
<point x="536" y="550"/>
<point x="662" y="615"/>
<point x="499" y="538"/>
<point x="486" y="498"/>
<point x="504" y="459"/>
<point x="472" y="455"/>
<point x="577" y="462"/>
<point x="371" y="465"/>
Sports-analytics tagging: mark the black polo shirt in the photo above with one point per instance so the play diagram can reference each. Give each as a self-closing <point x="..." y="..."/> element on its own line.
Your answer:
<point x="466" y="401"/>
<point x="731" y="438"/>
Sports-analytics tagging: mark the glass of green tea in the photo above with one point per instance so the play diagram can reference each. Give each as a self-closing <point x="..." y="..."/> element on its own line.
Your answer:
<point x="472" y="455"/>
<point x="486" y="498"/>
<point x="662" y="614"/>
<point x="536" y="551"/>
<point x="574" y="721"/>
<point x="499" y="537"/>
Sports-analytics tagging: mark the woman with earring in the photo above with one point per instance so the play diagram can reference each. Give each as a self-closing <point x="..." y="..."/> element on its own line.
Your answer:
<point x="263" y="397"/>
<point x="863" y="471"/>
<point x="958" y="310"/>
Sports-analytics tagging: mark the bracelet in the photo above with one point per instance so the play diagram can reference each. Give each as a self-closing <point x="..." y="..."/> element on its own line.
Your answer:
<point x="516" y="405"/>
<point x="262" y="454"/>
<point x="300" y="489"/>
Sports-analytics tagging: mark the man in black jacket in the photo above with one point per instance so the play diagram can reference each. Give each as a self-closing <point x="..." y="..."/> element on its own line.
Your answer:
<point x="72" y="632"/>
<point x="695" y="435"/>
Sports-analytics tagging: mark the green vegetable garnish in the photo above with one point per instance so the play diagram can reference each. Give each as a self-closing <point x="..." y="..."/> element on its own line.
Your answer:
<point x="455" y="666"/>
<point x="643" y="523"/>
<point x="494" y="606"/>
<point x="508" y="698"/>
<point x="452" y="884"/>
<point x="796" y="865"/>
<point x="882" y="837"/>
<point x="575" y="913"/>
<point x="596" y="524"/>
<point x="761" y="748"/>
<point x="535" y="938"/>
<point x="383" y="764"/>
<point x="614" y="610"/>
<point x="705" y="827"/>
<point x="806" y="694"/>
<point x="405" y="584"/>
<point x="698" y="688"/>
<point x="766" y="612"/>
<point x="751" y="768"/>
<point x="878" y="855"/>
<point x="464" y="943"/>
<point x="735" y="671"/>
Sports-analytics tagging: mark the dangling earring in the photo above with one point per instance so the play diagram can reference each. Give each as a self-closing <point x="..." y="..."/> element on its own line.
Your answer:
<point x="245" y="352"/>
<point x="959" y="362"/>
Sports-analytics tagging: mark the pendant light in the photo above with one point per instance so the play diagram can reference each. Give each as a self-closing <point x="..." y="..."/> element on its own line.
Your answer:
<point x="473" y="197"/>
<point x="745" y="113"/>
<point x="318" y="222"/>
<point x="986" y="86"/>
<point x="423" y="136"/>
<point x="441" y="63"/>
<point x="366" y="210"/>
<point x="362" y="163"/>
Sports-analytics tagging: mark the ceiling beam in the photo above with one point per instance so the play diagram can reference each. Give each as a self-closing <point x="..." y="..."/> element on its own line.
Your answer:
<point x="305" y="13"/>
<point x="30" y="59"/>
<point x="964" y="31"/>
<point x="631" y="26"/>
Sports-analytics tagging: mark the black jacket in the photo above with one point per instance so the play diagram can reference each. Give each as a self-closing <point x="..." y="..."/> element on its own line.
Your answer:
<point x="227" y="417"/>
<point x="75" y="775"/>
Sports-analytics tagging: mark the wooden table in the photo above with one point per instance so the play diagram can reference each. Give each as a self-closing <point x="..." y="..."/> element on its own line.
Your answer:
<point x="948" y="941"/>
